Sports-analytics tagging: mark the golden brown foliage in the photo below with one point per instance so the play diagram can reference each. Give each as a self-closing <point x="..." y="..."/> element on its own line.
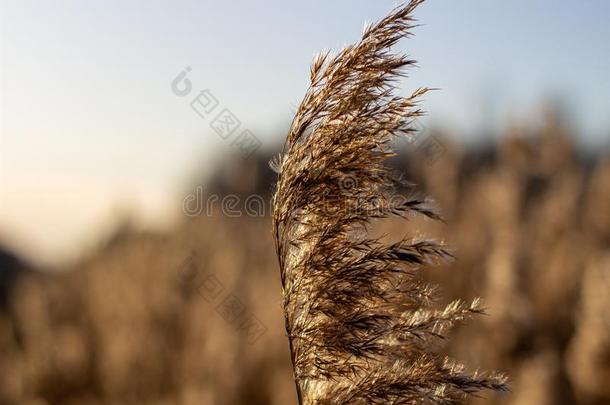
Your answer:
<point x="359" y="323"/>
<point x="120" y="329"/>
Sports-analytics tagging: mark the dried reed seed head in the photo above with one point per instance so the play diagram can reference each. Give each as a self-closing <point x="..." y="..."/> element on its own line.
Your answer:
<point x="359" y="323"/>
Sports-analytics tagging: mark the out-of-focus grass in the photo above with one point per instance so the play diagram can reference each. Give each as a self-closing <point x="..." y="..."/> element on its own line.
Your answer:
<point x="530" y="224"/>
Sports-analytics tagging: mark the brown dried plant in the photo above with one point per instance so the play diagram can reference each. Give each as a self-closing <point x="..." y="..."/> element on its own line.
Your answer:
<point x="361" y="326"/>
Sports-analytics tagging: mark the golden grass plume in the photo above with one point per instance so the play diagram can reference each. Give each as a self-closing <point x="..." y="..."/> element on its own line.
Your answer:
<point x="360" y="325"/>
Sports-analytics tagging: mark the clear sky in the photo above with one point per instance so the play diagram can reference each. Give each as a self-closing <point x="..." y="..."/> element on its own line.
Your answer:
<point x="90" y="125"/>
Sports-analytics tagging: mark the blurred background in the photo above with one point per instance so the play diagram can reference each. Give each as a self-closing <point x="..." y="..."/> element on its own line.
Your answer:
<point x="136" y="257"/>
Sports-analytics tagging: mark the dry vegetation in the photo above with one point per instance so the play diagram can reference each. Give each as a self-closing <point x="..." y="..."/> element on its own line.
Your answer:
<point x="360" y="324"/>
<point x="167" y="318"/>
<point x="528" y="221"/>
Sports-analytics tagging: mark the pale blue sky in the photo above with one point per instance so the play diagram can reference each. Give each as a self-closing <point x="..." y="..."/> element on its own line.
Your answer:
<point x="88" y="115"/>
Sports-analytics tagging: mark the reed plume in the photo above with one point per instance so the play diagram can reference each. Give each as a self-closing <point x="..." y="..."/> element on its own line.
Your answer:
<point x="361" y="326"/>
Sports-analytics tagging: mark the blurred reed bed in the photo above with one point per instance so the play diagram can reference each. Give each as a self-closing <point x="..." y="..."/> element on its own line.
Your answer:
<point x="528" y="220"/>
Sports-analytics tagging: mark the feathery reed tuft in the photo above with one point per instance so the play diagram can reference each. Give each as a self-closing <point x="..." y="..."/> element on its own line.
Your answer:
<point x="359" y="323"/>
